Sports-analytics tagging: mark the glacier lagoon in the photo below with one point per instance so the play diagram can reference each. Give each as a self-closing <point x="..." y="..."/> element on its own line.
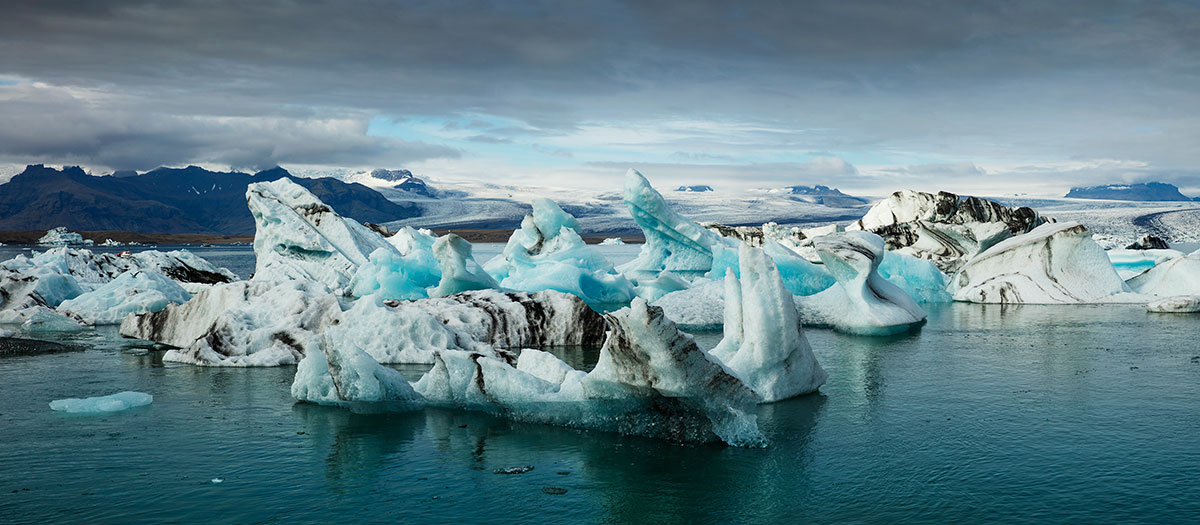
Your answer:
<point x="987" y="412"/>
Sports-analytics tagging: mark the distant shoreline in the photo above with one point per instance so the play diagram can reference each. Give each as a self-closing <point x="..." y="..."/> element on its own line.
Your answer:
<point x="30" y="237"/>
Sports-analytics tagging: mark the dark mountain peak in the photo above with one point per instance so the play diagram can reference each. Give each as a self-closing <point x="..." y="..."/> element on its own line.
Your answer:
<point x="1144" y="191"/>
<point x="122" y="174"/>
<point x="274" y="173"/>
<point x="41" y="170"/>
<point x="695" y="188"/>
<point x="190" y="171"/>
<point x="391" y="175"/>
<point x="815" y="190"/>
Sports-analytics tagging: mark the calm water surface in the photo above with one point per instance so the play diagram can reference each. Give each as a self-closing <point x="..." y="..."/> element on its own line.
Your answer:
<point x="1086" y="414"/>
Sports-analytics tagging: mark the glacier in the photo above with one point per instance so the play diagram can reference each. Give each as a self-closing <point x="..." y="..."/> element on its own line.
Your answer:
<point x="547" y="253"/>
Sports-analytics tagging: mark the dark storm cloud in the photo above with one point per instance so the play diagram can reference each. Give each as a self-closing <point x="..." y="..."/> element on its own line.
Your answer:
<point x="1004" y="81"/>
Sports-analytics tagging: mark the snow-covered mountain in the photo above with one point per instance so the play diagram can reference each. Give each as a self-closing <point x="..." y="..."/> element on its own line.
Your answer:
<point x="695" y="188"/>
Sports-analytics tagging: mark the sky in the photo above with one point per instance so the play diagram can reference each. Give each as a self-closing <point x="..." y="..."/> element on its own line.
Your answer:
<point x="990" y="98"/>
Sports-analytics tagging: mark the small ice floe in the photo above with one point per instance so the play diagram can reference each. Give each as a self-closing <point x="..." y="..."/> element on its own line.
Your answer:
<point x="102" y="404"/>
<point x="521" y="469"/>
<point x="218" y="480"/>
<point x="1177" y="304"/>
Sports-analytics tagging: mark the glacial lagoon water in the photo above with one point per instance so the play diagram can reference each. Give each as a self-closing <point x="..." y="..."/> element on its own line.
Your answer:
<point x="1017" y="414"/>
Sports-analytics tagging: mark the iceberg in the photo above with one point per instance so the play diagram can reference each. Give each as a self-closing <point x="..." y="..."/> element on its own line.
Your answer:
<point x="102" y="404"/>
<point x="1053" y="264"/>
<point x="651" y="380"/>
<point x="298" y="237"/>
<point x="254" y="323"/>
<point x="546" y="253"/>
<point x="862" y="302"/>
<point x="344" y="374"/>
<point x="944" y="228"/>
<point x="1177" y="276"/>
<point x="60" y="236"/>
<point x="1177" y="304"/>
<point x="47" y="279"/>
<point x="919" y="278"/>
<point x="397" y="276"/>
<point x="700" y="306"/>
<point x="132" y="292"/>
<point x="673" y="243"/>
<point x="613" y="241"/>
<point x="764" y="344"/>
<point x="1130" y="263"/>
<point x="460" y="272"/>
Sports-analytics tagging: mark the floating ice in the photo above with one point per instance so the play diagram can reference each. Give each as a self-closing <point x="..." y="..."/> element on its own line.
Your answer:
<point x="133" y="292"/>
<point x="698" y="307"/>
<point x="919" y="278"/>
<point x="1178" y="276"/>
<point x="60" y="236"/>
<point x="673" y="243"/>
<point x="460" y="272"/>
<point x="612" y="241"/>
<point x="944" y="228"/>
<point x="548" y="254"/>
<point x="298" y="237"/>
<point x="342" y="373"/>
<point x="102" y="404"/>
<point x="862" y="302"/>
<point x="391" y="275"/>
<point x="651" y="380"/>
<point x="764" y="344"/>
<point x="254" y="323"/>
<point x="1178" y="304"/>
<point x="1130" y="263"/>
<point x="1054" y="263"/>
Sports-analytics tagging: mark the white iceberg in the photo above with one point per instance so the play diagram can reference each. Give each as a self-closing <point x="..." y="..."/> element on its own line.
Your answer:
<point x="60" y="236"/>
<point x="133" y="292"/>
<point x="651" y="380"/>
<point x="298" y="237"/>
<point x="1054" y="263"/>
<point x="408" y="272"/>
<point x="1178" y="304"/>
<point x="343" y="374"/>
<point x="943" y="227"/>
<point x="700" y="306"/>
<point x="613" y="241"/>
<point x="764" y="343"/>
<point x="102" y="404"/>
<point x="546" y="253"/>
<point x="1177" y="276"/>
<point x="862" y="302"/>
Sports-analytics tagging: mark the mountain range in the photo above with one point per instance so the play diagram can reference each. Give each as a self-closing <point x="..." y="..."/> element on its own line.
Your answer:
<point x="167" y="200"/>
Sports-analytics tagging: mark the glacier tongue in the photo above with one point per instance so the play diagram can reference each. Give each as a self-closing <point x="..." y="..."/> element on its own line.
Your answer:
<point x="764" y="343"/>
<point x="1054" y="263"/>
<point x="298" y="237"/>
<point x="546" y="253"/>
<point x="862" y="302"/>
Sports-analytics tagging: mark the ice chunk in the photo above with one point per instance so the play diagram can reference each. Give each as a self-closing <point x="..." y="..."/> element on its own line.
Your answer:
<point x="394" y="276"/>
<point x="764" y="343"/>
<point x="548" y="254"/>
<point x="943" y="227"/>
<point x="298" y="237"/>
<point x="651" y="380"/>
<point x="42" y="319"/>
<point x="673" y="243"/>
<point x="1178" y="276"/>
<point x="460" y="272"/>
<point x="698" y="307"/>
<point x="1054" y="263"/>
<point x="919" y="278"/>
<point x="102" y="404"/>
<point x="60" y="236"/>
<point x="344" y="374"/>
<point x="133" y="292"/>
<point x="862" y="302"/>
<point x="665" y="283"/>
<point x="1180" y="304"/>
<point x="254" y="323"/>
<point x="612" y="241"/>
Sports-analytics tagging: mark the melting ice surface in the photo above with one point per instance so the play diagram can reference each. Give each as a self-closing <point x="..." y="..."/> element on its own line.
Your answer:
<point x="102" y="404"/>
